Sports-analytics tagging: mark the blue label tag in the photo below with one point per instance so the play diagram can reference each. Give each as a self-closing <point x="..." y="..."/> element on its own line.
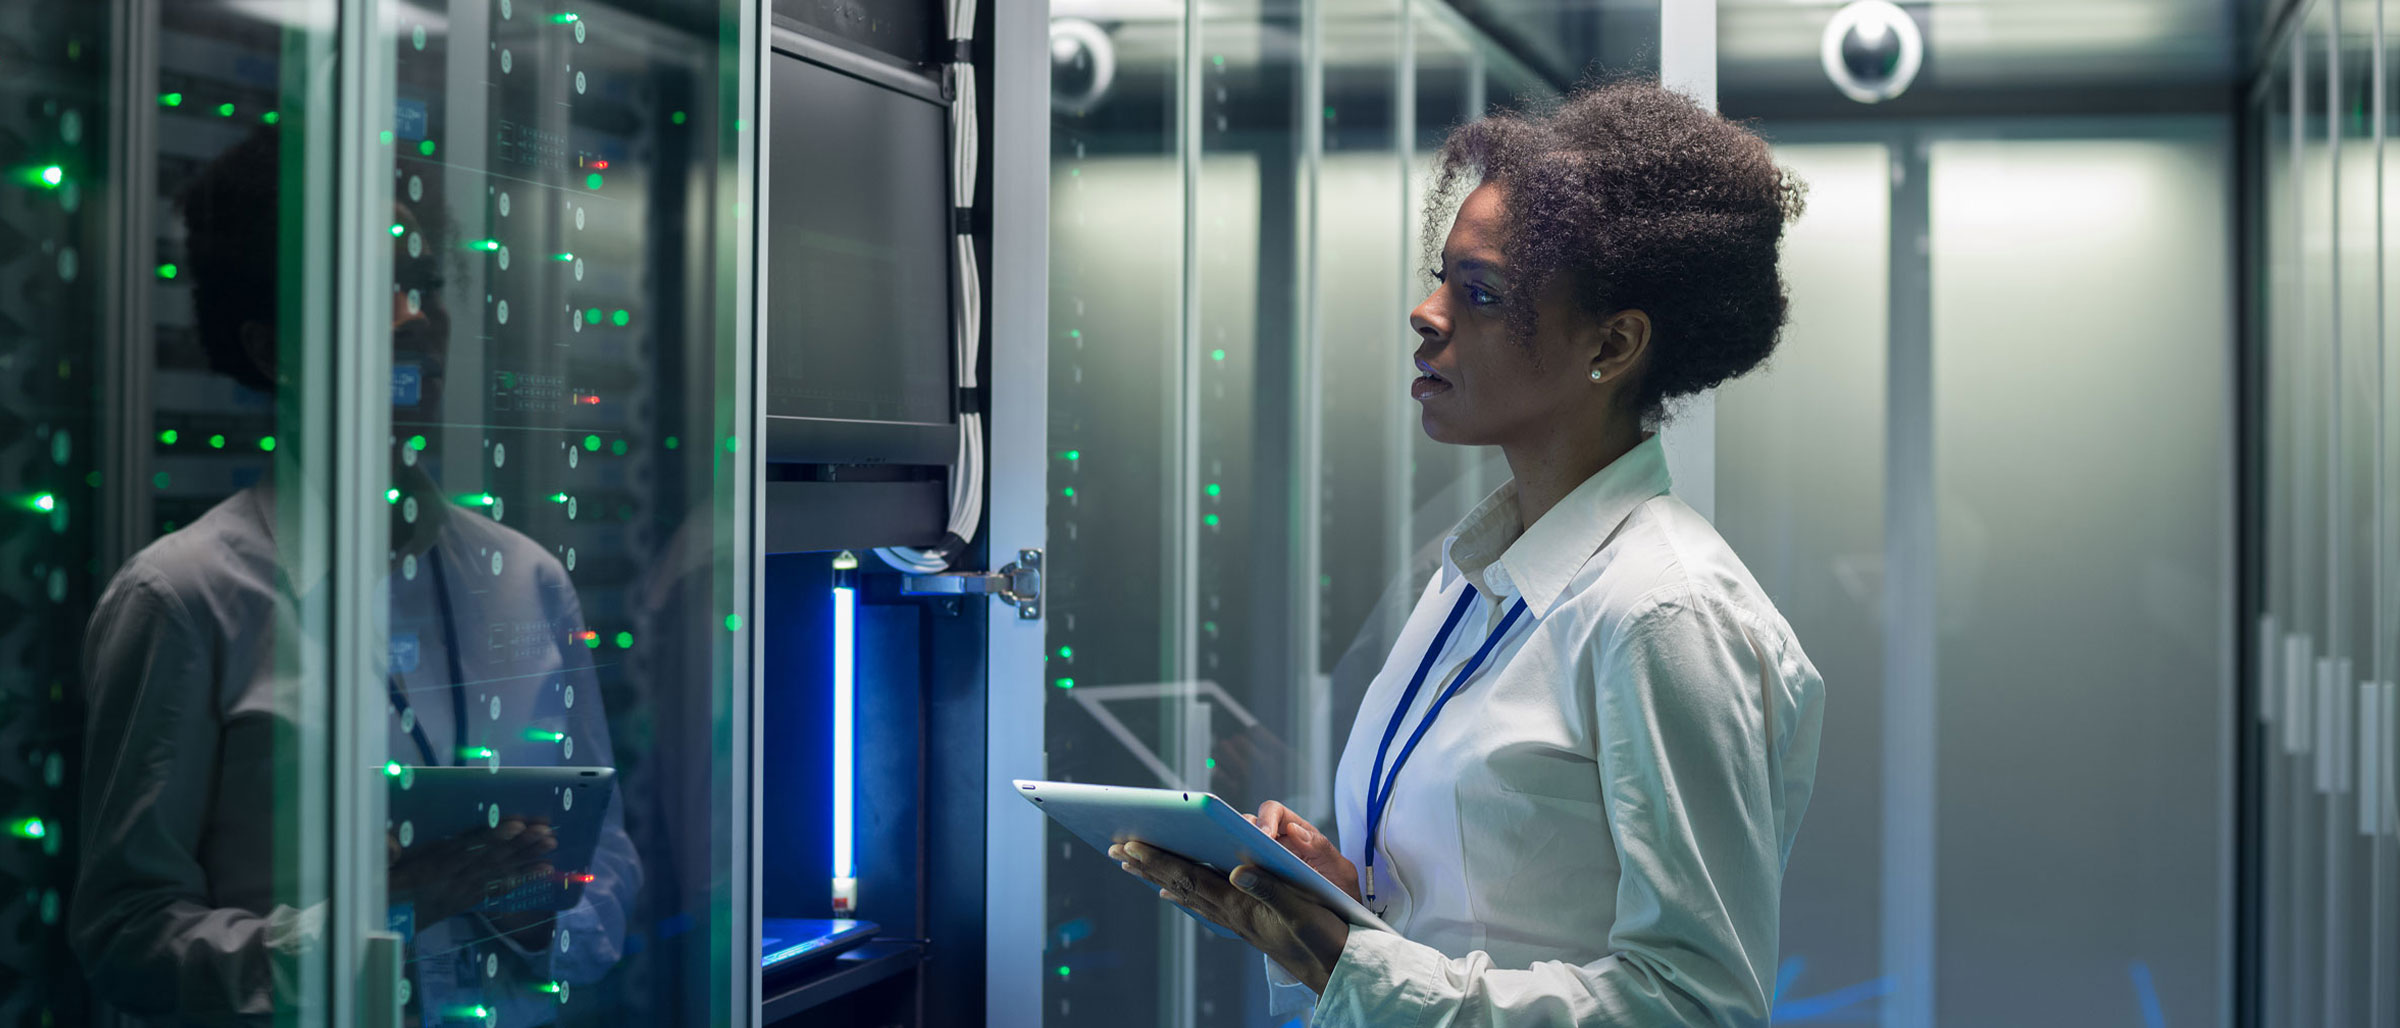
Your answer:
<point x="401" y="920"/>
<point x="408" y="384"/>
<point x="404" y="652"/>
<point x="408" y="119"/>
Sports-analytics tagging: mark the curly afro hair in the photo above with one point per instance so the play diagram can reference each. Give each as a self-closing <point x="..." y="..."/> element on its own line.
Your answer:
<point x="1643" y="200"/>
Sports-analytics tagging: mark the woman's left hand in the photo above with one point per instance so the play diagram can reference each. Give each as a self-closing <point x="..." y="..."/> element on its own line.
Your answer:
<point x="1303" y="935"/>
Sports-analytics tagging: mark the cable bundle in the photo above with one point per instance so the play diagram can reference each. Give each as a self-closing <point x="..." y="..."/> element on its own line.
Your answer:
<point x="966" y="479"/>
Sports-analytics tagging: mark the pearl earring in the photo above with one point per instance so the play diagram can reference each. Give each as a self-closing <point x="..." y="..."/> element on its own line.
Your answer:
<point x="1595" y="374"/>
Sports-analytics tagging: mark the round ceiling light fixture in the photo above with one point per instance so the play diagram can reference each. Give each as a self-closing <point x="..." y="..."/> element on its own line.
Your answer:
<point x="1872" y="50"/>
<point x="1083" y="63"/>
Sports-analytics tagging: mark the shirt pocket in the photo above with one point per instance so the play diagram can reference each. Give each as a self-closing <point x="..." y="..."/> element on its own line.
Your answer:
<point x="1541" y="869"/>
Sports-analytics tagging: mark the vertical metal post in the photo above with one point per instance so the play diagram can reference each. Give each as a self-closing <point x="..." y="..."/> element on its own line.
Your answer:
<point x="1911" y="554"/>
<point x="1311" y="710"/>
<point x="1687" y="63"/>
<point x="1015" y="894"/>
<point x="129" y="333"/>
<point x="1178" y="948"/>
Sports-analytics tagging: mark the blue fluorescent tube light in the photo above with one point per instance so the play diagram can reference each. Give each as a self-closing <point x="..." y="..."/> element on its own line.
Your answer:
<point x="845" y="668"/>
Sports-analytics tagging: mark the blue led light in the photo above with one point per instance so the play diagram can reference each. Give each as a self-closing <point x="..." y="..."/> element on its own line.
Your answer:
<point x="845" y="673"/>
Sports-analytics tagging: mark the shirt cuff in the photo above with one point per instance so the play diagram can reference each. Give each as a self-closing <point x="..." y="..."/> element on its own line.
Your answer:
<point x="1286" y="994"/>
<point x="1380" y="982"/>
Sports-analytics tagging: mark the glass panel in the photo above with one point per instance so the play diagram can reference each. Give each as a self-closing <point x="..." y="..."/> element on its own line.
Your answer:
<point x="2313" y="622"/>
<point x="1117" y="611"/>
<point x="2351" y="529"/>
<point x="1239" y="483"/>
<point x="204" y="880"/>
<point x="2091" y="629"/>
<point x="1807" y="519"/>
<point x="566" y="338"/>
<point x="56" y="187"/>
<point x="2279" y="282"/>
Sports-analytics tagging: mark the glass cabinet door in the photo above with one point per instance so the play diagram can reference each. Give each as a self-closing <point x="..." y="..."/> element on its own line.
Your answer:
<point x="373" y="571"/>
<point x="558" y="485"/>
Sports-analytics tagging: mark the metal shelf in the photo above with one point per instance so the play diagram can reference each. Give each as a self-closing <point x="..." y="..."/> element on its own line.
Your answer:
<point x="841" y="976"/>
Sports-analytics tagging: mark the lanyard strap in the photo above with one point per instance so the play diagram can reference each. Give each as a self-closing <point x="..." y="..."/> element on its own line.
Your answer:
<point x="458" y="677"/>
<point x="1379" y="785"/>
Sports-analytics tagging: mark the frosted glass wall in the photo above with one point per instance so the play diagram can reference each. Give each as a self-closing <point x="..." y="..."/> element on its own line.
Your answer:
<point x="1988" y="478"/>
<point x="2323" y="637"/>
<point x="2083" y="477"/>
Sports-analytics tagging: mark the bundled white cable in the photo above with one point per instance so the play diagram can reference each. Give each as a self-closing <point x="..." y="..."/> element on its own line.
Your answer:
<point x="966" y="476"/>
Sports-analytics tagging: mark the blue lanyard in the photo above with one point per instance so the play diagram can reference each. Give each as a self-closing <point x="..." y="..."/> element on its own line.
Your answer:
<point x="1379" y="785"/>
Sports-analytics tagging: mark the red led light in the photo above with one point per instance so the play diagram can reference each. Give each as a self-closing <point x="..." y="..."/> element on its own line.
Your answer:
<point x="592" y="400"/>
<point x="586" y="878"/>
<point x="590" y="634"/>
<point x="600" y="164"/>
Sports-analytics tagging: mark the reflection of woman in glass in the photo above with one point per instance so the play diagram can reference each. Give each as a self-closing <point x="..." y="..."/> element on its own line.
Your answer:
<point x="1573" y="786"/>
<point x="175" y="913"/>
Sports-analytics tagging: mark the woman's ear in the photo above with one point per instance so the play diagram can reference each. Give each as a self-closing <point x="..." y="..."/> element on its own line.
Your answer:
<point x="1624" y="343"/>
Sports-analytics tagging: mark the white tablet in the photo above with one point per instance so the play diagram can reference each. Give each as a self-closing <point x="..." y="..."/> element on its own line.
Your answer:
<point x="1195" y="825"/>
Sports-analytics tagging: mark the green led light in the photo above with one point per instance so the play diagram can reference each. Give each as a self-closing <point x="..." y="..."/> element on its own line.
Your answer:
<point x="558" y="497"/>
<point x="216" y="442"/>
<point x="562" y="256"/>
<point x="591" y="442"/>
<point x="546" y="987"/>
<point x="392" y="768"/>
<point x="45" y="502"/>
<point x="592" y="180"/>
<point x="1216" y="355"/>
<point x="676" y="117"/>
<point x="474" y="752"/>
<point x="592" y="317"/>
<point x="270" y="117"/>
<point x="170" y="99"/>
<point x="475" y="500"/>
<point x="28" y="828"/>
<point x="624" y="640"/>
<point x="416" y="442"/>
<point x="168" y="271"/>
<point x="564" y="17"/>
<point x="538" y="735"/>
<point x="1074" y="333"/>
<point x="386" y="136"/>
<point x="733" y="622"/>
<point x="591" y="640"/>
<point x="617" y="447"/>
<point x="1066" y="683"/>
<point x="1212" y="763"/>
<point x="1073" y="455"/>
<point x="399" y="230"/>
<point x="52" y="176"/>
<point x="733" y="444"/>
<point x="391" y="495"/>
<point x="1067" y="652"/>
<point x="672" y="442"/>
<point x="1068" y="492"/>
<point x="160" y="480"/>
<point x="224" y="110"/>
<point x="485" y="245"/>
<point x="1218" y="60"/>
<point x="426" y="148"/>
<point x="620" y="318"/>
<point x="1213" y="489"/>
<point x="167" y="436"/>
<point x="1062" y="970"/>
<point x="1210" y="521"/>
<point x="267" y="443"/>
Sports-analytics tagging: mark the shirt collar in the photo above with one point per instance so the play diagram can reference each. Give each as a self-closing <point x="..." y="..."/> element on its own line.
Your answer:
<point x="1494" y="551"/>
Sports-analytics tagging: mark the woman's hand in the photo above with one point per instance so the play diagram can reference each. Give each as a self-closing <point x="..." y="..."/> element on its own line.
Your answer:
<point x="1293" y="930"/>
<point x="1306" y="842"/>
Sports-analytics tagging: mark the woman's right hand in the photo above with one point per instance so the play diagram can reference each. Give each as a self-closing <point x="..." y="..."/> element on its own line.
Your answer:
<point x="1305" y="841"/>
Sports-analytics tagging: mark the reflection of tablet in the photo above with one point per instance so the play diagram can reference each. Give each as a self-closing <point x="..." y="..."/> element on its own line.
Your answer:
<point x="432" y="804"/>
<point x="1195" y="825"/>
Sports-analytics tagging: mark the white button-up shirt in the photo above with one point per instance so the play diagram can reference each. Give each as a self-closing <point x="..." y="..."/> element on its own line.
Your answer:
<point x="1594" y="831"/>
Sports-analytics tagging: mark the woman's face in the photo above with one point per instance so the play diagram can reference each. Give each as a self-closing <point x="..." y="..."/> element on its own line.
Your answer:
<point x="1476" y="385"/>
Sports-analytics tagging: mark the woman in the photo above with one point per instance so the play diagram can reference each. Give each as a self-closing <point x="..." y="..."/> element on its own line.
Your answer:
<point x="1574" y="785"/>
